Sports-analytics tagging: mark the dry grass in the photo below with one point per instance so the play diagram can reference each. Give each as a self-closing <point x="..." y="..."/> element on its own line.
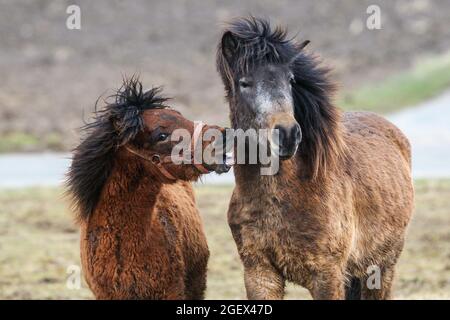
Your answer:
<point x="426" y="79"/>
<point x="38" y="242"/>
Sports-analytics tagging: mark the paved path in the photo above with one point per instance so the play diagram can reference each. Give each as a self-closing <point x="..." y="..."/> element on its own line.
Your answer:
<point x="427" y="126"/>
<point x="48" y="169"/>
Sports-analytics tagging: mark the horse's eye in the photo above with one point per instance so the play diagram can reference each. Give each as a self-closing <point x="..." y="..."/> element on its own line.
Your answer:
<point x="244" y="83"/>
<point x="162" y="136"/>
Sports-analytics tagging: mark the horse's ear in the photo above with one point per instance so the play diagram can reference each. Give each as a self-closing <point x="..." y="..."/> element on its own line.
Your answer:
<point x="303" y="45"/>
<point x="229" y="46"/>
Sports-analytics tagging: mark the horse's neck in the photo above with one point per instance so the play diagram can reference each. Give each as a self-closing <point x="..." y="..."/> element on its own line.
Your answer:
<point x="128" y="198"/>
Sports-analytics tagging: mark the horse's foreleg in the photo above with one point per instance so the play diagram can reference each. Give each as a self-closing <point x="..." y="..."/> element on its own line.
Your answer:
<point x="383" y="291"/>
<point x="328" y="286"/>
<point x="196" y="283"/>
<point x="263" y="283"/>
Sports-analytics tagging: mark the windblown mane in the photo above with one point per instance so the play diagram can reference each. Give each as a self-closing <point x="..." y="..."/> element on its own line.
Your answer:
<point x="254" y="43"/>
<point x="113" y="126"/>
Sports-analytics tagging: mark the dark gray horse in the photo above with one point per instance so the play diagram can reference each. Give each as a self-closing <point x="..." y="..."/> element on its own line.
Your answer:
<point x="340" y="203"/>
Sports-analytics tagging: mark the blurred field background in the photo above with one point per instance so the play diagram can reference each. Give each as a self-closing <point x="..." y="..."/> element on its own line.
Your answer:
<point x="52" y="76"/>
<point x="38" y="242"/>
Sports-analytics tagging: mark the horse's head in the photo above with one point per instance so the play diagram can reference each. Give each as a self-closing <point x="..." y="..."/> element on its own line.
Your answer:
<point x="135" y="131"/>
<point x="163" y="130"/>
<point x="256" y="67"/>
<point x="264" y="97"/>
<point x="148" y="130"/>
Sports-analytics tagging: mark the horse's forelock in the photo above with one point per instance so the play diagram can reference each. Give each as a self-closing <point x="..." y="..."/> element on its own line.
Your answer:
<point x="256" y="43"/>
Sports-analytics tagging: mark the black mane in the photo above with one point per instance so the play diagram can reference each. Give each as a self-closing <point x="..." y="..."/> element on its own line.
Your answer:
<point x="251" y="42"/>
<point x="113" y="126"/>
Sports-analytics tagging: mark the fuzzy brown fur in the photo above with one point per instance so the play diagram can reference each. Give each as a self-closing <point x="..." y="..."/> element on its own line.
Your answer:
<point x="141" y="232"/>
<point x="320" y="233"/>
<point x="339" y="206"/>
<point x="145" y="239"/>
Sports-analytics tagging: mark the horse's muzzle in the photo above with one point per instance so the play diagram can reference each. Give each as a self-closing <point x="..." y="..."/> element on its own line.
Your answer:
<point x="228" y="162"/>
<point x="222" y="168"/>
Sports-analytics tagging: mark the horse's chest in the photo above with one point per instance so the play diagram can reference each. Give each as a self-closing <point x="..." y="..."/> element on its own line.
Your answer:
<point x="281" y="233"/>
<point x="288" y="249"/>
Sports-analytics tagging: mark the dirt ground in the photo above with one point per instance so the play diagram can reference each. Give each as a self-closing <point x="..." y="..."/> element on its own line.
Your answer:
<point x="51" y="76"/>
<point x="40" y="253"/>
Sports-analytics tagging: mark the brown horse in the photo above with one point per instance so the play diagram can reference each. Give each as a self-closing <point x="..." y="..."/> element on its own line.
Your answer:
<point x="336" y="212"/>
<point x="141" y="233"/>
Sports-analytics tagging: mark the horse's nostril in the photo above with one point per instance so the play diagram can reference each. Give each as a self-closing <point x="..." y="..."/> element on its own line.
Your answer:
<point x="296" y="133"/>
<point x="281" y="132"/>
<point x="222" y="168"/>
